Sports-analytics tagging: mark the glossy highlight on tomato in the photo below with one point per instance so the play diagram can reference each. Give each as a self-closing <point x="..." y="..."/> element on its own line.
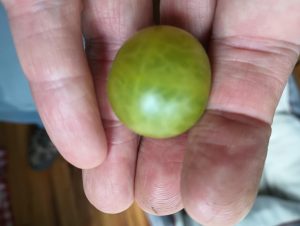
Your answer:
<point x="159" y="82"/>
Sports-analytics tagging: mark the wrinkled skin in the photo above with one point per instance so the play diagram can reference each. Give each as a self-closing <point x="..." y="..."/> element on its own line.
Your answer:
<point x="159" y="82"/>
<point x="214" y="170"/>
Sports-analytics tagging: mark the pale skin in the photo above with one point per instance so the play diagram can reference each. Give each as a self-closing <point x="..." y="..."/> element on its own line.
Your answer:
<point x="214" y="171"/>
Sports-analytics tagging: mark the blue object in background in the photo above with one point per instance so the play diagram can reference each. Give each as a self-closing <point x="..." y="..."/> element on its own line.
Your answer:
<point x="16" y="103"/>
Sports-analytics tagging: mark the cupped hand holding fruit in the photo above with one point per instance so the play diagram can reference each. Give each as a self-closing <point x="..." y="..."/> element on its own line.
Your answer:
<point x="214" y="170"/>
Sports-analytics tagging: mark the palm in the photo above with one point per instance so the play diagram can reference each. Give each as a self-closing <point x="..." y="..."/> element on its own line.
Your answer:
<point x="215" y="174"/>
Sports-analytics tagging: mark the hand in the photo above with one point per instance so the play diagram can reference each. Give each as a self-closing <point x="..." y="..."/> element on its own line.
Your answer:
<point x="214" y="171"/>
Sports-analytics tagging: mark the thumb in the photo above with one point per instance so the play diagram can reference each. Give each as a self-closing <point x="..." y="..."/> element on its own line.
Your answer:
<point x="227" y="148"/>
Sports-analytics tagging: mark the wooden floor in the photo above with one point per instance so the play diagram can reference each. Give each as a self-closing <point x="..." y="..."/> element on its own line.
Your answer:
<point x="54" y="197"/>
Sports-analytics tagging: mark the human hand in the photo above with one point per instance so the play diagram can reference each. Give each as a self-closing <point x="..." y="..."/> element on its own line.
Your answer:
<point x="214" y="173"/>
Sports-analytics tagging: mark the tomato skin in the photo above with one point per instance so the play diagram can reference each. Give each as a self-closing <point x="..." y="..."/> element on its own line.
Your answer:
<point x="159" y="82"/>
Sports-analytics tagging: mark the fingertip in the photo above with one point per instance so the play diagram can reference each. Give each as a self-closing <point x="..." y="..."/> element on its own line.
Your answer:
<point x="158" y="206"/>
<point x="84" y="157"/>
<point x="84" y="150"/>
<point x="100" y="204"/>
<point x="222" y="168"/>
<point x="106" y="197"/>
<point x="212" y="213"/>
<point x="83" y="161"/>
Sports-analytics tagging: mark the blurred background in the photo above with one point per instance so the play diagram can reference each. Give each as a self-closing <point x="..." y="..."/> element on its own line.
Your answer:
<point x="39" y="188"/>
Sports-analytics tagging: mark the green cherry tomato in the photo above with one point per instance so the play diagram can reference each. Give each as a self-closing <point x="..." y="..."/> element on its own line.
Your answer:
<point x="159" y="82"/>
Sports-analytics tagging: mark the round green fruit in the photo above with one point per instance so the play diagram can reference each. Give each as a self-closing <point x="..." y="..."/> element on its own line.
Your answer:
<point x="159" y="82"/>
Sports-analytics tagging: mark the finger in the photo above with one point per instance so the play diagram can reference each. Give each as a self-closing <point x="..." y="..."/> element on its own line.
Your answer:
<point x="48" y="39"/>
<point x="157" y="186"/>
<point x="194" y="16"/>
<point x="222" y="167"/>
<point x="253" y="51"/>
<point x="107" y="24"/>
<point x="159" y="165"/>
